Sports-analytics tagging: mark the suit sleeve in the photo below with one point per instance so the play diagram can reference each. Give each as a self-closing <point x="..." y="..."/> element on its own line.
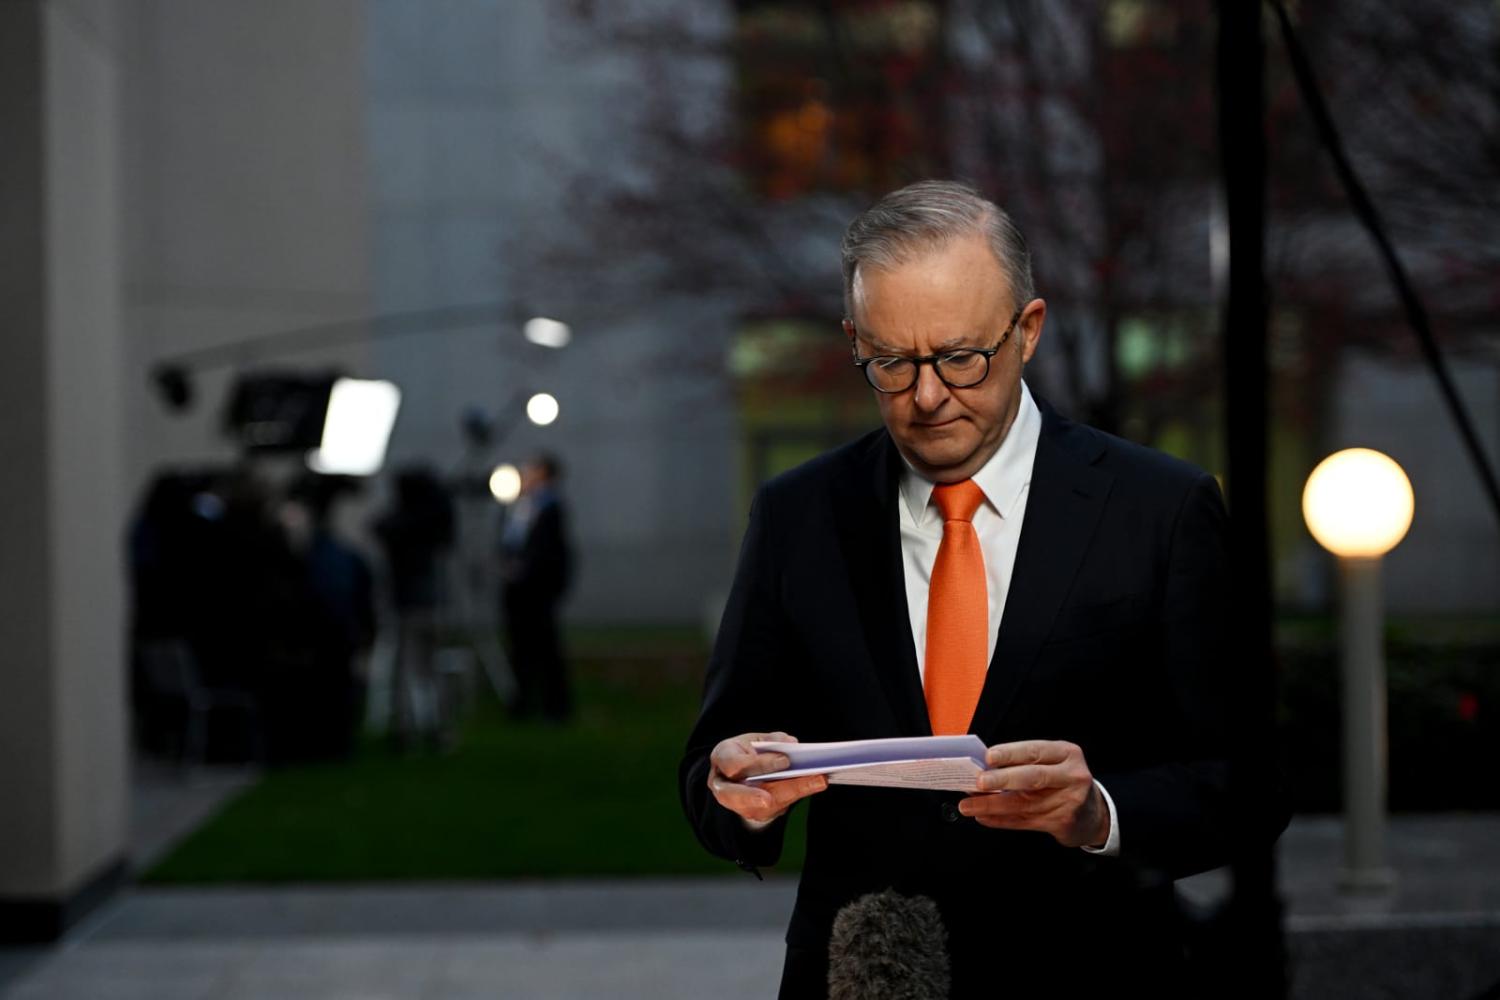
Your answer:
<point x="738" y="697"/>
<point x="1186" y="816"/>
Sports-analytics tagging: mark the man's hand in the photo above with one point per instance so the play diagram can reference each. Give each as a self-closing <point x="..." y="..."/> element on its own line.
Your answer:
<point x="1044" y="785"/>
<point x="734" y="760"/>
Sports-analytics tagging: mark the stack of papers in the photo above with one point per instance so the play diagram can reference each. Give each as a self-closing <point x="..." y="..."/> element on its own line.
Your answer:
<point x="938" y="763"/>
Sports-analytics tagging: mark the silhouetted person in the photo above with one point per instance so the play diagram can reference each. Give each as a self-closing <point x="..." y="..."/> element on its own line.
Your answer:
<point x="536" y="568"/>
<point x="416" y="533"/>
<point x="340" y="623"/>
<point x="208" y="569"/>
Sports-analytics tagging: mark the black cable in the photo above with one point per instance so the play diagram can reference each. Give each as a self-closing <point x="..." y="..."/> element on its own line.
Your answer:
<point x="323" y="335"/>
<point x="1364" y="208"/>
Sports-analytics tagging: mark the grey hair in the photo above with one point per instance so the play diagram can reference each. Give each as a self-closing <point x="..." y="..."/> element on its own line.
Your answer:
<point x="926" y="216"/>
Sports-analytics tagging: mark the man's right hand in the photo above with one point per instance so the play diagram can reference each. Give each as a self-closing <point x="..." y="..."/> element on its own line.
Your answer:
<point x="734" y="760"/>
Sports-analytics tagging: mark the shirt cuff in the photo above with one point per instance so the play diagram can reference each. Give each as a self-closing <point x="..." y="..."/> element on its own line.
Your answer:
<point x="756" y="825"/>
<point x="1111" y="846"/>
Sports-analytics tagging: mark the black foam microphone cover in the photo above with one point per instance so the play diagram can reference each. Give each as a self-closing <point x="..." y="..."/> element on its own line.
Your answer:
<point x="886" y="946"/>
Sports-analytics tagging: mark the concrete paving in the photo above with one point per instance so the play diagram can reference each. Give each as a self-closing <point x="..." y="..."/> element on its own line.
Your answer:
<point x="590" y="965"/>
<point x="657" y="938"/>
<point x="1437" y="934"/>
<point x="168" y="802"/>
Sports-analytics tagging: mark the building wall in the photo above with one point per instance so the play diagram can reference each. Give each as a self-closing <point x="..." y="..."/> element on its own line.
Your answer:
<point x="244" y="193"/>
<point x="62" y="719"/>
<point x="180" y="175"/>
<point x="26" y="764"/>
<point x="83" y="415"/>
<point x="483" y="114"/>
<point x="1450" y="560"/>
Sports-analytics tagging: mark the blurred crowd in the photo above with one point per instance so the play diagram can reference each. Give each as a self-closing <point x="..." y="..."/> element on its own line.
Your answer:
<point x="256" y="610"/>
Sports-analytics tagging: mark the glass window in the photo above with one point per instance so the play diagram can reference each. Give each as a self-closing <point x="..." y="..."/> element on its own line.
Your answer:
<point x="843" y="96"/>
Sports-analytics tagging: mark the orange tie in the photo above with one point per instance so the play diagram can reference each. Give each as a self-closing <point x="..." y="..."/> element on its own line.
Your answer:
<point x="958" y="614"/>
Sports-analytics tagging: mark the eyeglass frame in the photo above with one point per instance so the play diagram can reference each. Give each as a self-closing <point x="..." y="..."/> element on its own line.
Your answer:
<point x="929" y="359"/>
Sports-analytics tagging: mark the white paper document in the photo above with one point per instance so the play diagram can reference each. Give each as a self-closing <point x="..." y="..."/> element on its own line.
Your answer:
<point x="937" y="763"/>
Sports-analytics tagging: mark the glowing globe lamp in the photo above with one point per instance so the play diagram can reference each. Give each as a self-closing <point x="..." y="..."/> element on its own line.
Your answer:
<point x="1358" y="503"/>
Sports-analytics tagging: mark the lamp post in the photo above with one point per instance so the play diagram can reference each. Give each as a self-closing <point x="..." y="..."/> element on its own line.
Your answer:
<point x="1358" y="505"/>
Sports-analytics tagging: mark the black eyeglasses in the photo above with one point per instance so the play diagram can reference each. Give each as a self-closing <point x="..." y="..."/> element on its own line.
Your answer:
<point x="959" y="368"/>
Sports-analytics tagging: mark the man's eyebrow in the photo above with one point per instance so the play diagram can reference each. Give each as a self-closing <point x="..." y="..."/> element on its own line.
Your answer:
<point x="874" y="341"/>
<point x="963" y="340"/>
<point x="882" y="347"/>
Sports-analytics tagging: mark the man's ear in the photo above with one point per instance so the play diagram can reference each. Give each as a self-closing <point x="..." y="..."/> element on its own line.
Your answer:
<point x="1030" y="327"/>
<point x="849" y="332"/>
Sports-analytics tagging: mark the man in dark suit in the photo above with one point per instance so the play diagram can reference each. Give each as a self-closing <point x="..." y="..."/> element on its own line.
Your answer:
<point x="981" y="564"/>
<point x="536" y="568"/>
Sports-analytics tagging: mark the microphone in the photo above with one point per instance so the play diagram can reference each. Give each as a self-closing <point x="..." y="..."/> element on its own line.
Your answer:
<point x="887" y="946"/>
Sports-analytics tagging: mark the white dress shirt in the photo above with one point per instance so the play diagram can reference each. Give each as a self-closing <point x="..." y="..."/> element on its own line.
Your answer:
<point x="1005" y="480"/>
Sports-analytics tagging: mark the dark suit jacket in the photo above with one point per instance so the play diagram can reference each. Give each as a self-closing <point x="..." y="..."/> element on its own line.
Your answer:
<point x="1112" y="638"/>
<point x="540" y="566"/>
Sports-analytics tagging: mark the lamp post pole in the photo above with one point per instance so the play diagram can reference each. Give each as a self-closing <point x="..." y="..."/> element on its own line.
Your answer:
<point x="1362" y="657"/>
<point x="1358" y="504"/>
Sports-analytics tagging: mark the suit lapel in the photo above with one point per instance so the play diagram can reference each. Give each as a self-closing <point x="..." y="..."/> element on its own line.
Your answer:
<point x="1066" y="496"/>
<point x="870" y="537"/>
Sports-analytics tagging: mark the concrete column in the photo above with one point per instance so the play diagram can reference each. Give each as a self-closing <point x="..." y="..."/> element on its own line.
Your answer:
<point x="62" y="693"/>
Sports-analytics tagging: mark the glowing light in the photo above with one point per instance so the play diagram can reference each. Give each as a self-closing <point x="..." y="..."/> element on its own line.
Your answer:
<point x="505" y="483"/>
<point x="357" y="428"/>
<point x="547" y="332"/>
<point x="1358" y="503"/>
<point x="542" y="409"/>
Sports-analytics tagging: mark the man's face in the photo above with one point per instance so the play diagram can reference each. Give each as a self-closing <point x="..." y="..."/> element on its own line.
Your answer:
<point x="956" y="296"/>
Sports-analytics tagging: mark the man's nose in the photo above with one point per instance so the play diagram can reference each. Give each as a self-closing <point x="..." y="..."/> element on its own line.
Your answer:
<point x="931" y="391"/>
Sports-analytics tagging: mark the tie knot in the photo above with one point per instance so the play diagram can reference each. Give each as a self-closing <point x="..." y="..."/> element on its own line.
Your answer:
<point x="958" y="501"/>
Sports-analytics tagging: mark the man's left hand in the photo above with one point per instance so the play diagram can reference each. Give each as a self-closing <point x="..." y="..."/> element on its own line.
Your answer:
<point x="1043" y="785"/>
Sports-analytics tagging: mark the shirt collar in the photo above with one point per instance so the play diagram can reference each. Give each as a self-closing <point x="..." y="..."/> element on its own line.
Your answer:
<point x="1002" y="479"/>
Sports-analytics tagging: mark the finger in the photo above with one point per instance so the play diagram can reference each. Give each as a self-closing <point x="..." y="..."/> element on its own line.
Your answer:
<point x="749" y="740"/>
<point x="1027" y="752"/>
<point x="789" y="790"/>
<point x="737" y="759"/>
<point x="1010" y="818"/>
<point x="739" y="766"/>
<point x="1023" y="811"/>
<point x="749" y="801"/>
<point x="996" y="805"/>
<point x="762" y="802"/>
<point x="1017" y="812"/>
<point x="1024" y="778"/>
<point x="1007" y="822"/>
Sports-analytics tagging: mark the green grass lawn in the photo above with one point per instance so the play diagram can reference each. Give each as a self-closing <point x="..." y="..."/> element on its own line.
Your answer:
<point x="514" y="800"/>
<point x="600" y="797"/>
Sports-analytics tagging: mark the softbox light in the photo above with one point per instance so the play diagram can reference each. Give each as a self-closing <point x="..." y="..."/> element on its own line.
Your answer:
<point x="361" y="414"/>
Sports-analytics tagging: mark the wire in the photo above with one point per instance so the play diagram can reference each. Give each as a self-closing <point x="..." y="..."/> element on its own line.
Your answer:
<point x="324" y="335"/>
<point x="1364" y="208"/>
